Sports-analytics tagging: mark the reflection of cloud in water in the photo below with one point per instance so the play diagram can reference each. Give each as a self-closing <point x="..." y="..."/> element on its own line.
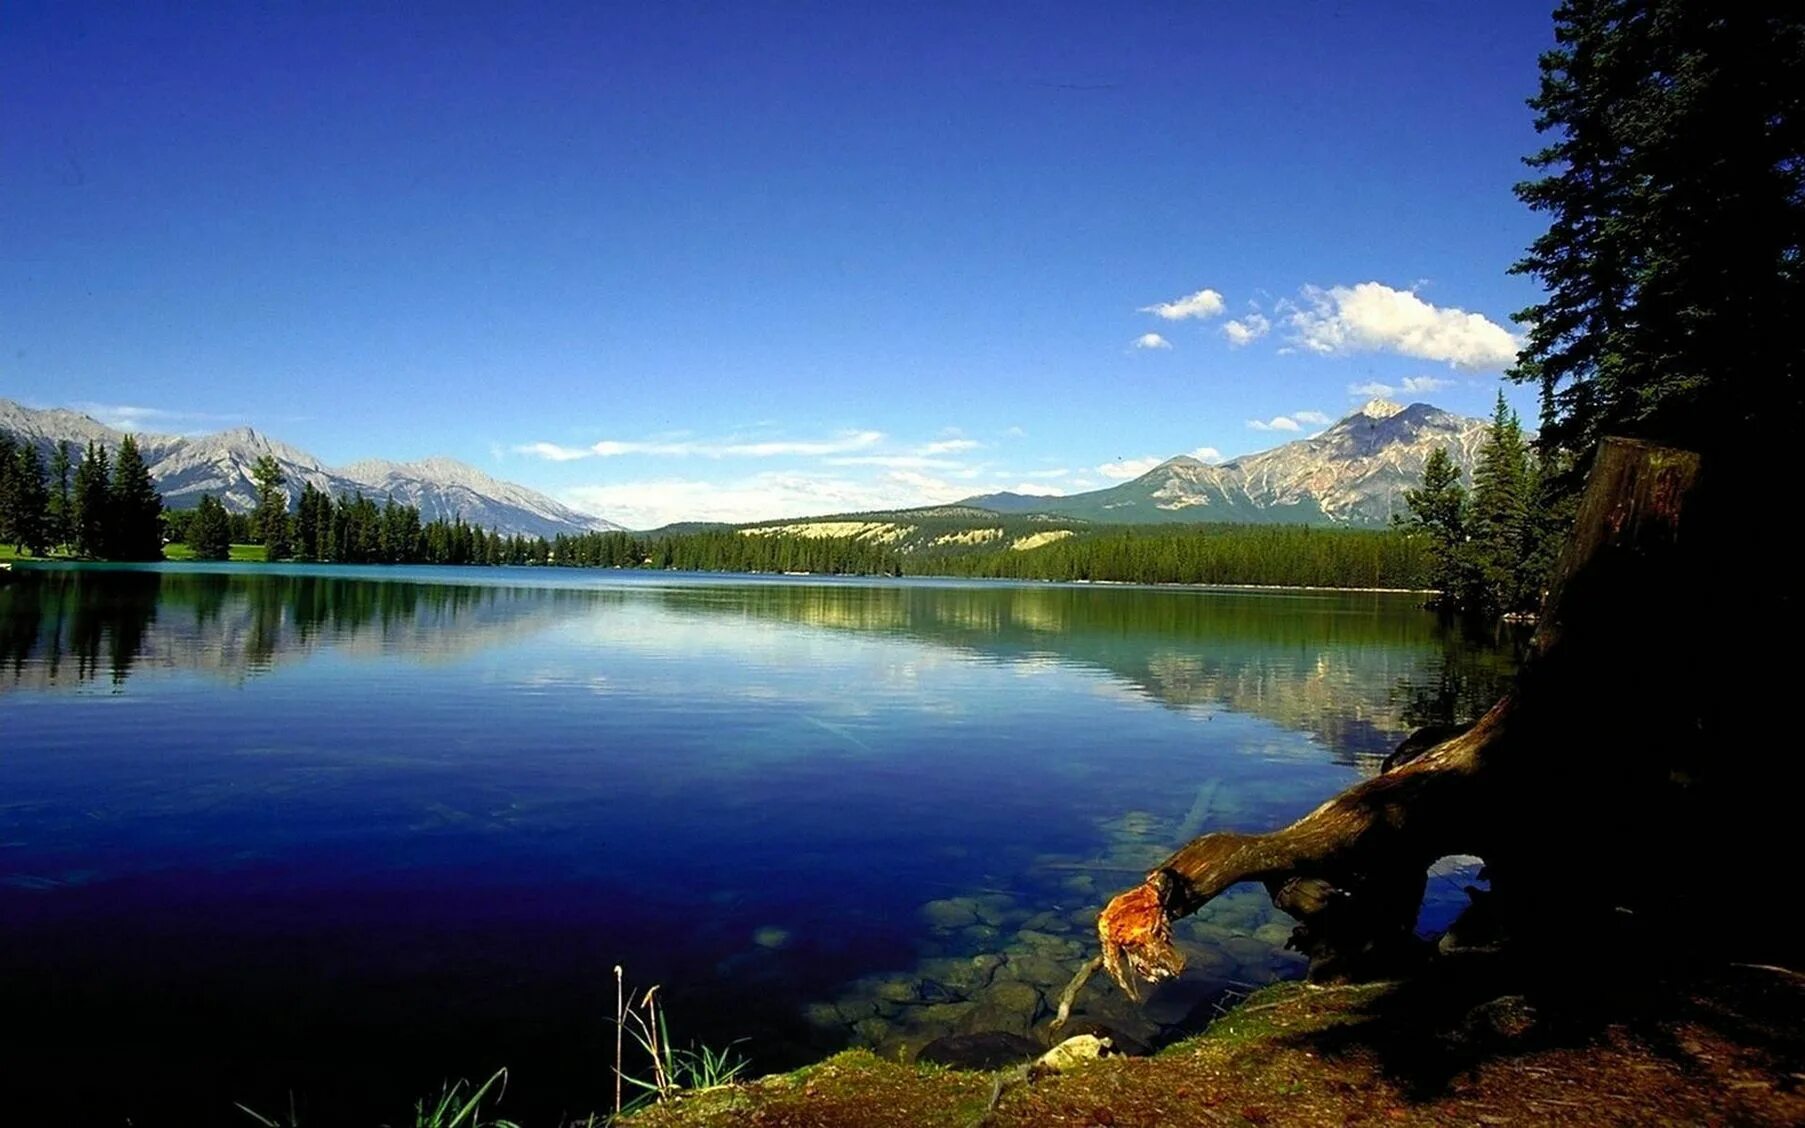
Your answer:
<point x="1354" y="670"/>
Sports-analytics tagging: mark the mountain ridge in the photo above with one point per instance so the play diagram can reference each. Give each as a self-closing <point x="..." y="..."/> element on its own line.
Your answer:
<point x="1353" y="472"/>
<point x="184" y="467"/>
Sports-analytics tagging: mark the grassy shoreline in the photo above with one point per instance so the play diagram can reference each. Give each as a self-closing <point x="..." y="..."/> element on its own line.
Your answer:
<point x="1718" y="1050"/>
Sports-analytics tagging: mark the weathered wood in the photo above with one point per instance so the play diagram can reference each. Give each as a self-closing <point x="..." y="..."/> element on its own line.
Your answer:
<point x="1536" y="779"/>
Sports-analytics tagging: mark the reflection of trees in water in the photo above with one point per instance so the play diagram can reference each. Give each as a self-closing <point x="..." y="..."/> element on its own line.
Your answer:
<point x="1469" y="677"/>
<point x="58" y="622"/>
<point x="73" y="620"/>
<point x="1347" y="667"/>
<point x="1356" y="670"/>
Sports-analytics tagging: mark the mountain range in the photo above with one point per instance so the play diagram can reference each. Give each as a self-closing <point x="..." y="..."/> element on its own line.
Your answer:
<point x="185" y="467"/>
<point x="1352" y="473"/>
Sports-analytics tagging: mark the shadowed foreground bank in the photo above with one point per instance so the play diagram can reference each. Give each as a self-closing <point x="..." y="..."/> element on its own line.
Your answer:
<point x="1724" y="1047"/>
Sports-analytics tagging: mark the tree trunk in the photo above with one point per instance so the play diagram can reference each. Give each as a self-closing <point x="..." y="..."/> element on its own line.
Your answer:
<point x="1585" y="755"/>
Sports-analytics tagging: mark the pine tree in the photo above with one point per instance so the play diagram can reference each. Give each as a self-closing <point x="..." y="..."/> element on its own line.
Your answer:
<point x="91" y="512"/>
<point x="1439" y="509"/>
<point x="1675" y="190"/>
<point x="30" y="502"/>
<point x="210" y="530"/>
<point x="1499" y="522"/>
<point x="8" y="487"/>
<point x="272" y="508"/>
<point x="136" y="530"/>
<point x="60" y="526"/>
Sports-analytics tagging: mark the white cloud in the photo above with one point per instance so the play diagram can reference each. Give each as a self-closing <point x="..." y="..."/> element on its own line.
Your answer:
<point x="1207" y="454"/>
<point x="1150" y="341"/>
<point x="1245" y="330"/>
<point x="896" y="461"/>
<point x="1372" y="390"/>
<point x="1202" y="305"/>
<point x="553" y="451"/>
<point x="1276" y="423"/>
<point x="767" y="448"/>
<point x="947" y="446"/>
<point x="1374" y="317"/>
<point x="138" y="419"/>
<point x="727" y="448"/>
<point x="1124" y="469"/>
<point x="1426" y="383"/>
<point x="1315" y="417"/>
<point x="1015" y="433"/>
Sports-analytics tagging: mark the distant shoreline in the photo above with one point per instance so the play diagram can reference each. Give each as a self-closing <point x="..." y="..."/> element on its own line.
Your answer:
<point x="254" y="565"/>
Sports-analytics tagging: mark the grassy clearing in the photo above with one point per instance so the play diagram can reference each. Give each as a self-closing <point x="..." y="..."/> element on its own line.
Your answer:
<point x="239" y="553"/>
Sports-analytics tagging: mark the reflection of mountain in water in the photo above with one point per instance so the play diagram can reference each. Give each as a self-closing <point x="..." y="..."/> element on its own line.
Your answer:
<point x="1356" y="670"/>
<point x="64" y="627"/>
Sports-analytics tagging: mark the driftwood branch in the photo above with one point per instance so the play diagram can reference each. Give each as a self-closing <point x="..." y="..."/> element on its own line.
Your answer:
<point x="1540" y="765"/>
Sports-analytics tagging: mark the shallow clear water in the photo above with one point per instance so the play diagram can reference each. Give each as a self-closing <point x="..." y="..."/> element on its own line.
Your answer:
<point x="350" y="831"/>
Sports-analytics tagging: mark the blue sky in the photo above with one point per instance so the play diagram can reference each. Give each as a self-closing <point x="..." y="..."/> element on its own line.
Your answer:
<point x="741" y="260"/>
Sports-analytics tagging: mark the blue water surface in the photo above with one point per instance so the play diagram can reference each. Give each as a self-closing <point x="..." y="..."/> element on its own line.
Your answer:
<point x="347" y="831"/>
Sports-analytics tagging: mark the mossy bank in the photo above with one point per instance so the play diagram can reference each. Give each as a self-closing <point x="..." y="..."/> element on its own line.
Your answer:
<point x="1722" y="1048"/>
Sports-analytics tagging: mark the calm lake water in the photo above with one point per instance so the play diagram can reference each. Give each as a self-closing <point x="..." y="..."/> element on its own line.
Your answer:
<point x="347" y="832"/>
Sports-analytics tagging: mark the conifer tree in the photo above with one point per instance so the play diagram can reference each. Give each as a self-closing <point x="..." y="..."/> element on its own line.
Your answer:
<point x="210" y="530"/>
<point x="60" y="525"/>
<point x="30" y="518"/>
<point x="1674" y="185"/>
<point x="271" y="517"/>
<point x="1499" y="522"/>
<point x="91" y="512"/>
<point x="136" y="527"/>
<point x="8" y="487"/>
<point x="1438" y="508"/>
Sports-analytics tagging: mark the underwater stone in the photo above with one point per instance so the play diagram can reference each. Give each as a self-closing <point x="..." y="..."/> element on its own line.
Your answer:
<point x="771" y="937"/>
<point x="980" y="935"/>
<point x="855" y="1007"/>
<point x="995" y="909"/>
<point x="949" y="913"/>
<point x="1045" y="943"/>
<point x="1247" y="950"/>
<point x="823" y="1016"/>
<point x="934" y="991"/>
<point x="987" y="1050"/>
<point x="1046" y="922"/>
<point x="871" y="1031"/>
<point x="1034" y="968"/>
<point x="1275" y="934"/>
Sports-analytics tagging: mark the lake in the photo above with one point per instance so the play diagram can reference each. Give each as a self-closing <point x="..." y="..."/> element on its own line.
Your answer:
<point x="346" y="832"/>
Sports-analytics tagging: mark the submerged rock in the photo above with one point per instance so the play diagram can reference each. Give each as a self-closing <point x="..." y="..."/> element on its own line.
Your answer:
<point x="949" y="913"/>
<point x="1009" y="1005"/>
<point x="986" y="1051"/>
<point x="771" y="937"/>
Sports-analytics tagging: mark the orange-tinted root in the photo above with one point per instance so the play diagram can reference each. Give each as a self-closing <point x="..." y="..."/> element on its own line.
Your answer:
<point x="1136" y="936"/>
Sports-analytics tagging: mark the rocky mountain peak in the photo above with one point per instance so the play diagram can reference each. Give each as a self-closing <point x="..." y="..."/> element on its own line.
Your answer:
<point x="1380" y="409"/>
<point x="1355" y="472"/>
